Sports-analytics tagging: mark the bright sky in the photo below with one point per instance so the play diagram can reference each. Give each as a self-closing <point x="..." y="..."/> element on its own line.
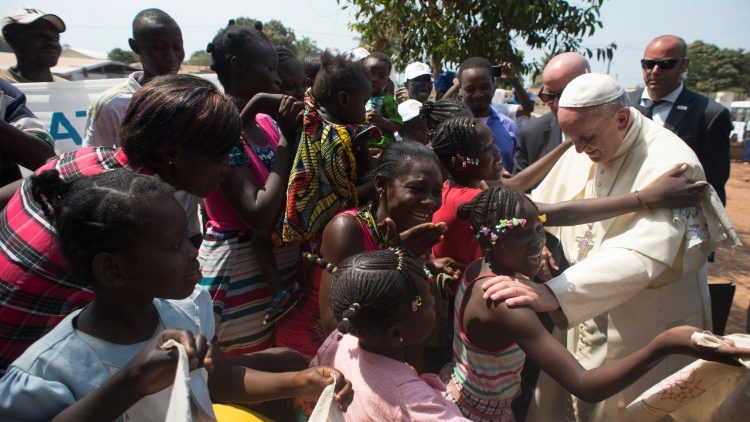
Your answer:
<point x="103" y="25"/>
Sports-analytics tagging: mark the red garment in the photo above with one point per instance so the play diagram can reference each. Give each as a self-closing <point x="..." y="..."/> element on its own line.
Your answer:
<point x="302" y="329"/>
<point x="459" y="241"/>
<point x="36" y="291"/>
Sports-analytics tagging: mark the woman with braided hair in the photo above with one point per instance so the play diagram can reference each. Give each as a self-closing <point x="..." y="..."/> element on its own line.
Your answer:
<point x="382" y="303"/>
<point x="491" y="340"/>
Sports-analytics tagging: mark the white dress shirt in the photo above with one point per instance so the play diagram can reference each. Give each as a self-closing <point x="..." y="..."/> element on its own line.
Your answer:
<point x="661" y="111"/>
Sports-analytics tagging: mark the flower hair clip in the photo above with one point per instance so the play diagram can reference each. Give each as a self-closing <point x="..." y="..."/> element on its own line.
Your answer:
<point x="416" y="303"/>
<point x="400" y="256"/>
<point x="543" y="218"/>
<point x="463" y="161"/>
<point x="500" y="228"/>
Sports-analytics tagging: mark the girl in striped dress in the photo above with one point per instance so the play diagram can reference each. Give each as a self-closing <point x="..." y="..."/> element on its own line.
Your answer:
<point x="491" y="340"/>
<point x="250" y="277"/>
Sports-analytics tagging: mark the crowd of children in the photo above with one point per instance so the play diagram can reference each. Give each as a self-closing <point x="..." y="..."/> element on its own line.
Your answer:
<point x="338" y="223"/>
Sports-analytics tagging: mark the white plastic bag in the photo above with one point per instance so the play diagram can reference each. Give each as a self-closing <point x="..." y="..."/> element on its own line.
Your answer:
<point x="326" y="409"/>
<point x="190" y="401"/>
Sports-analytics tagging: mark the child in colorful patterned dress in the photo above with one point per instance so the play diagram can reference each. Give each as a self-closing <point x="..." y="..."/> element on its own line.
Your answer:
<point x="332" y="158"/>
<point x="491" y="340"/>
<point x="382" y="109"/>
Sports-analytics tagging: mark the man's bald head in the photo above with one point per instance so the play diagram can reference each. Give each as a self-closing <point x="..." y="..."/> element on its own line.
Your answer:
<point x="149" y="19"/>
<point x="560" y="70"/>
<point x="660" y="80"/>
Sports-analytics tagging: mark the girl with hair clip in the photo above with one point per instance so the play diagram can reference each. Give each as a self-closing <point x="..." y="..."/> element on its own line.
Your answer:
<point x="125" y="236"/>
<point x="251" y="276"/>
<point x="465" y="147"/>
<point x="382" y="303"/>
<point x="179" y="127"/>
<point x="491" y="340"/>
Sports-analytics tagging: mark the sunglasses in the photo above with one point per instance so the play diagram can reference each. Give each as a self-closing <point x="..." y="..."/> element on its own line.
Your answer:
<point x="663" y="64"/>
<point x="548" y="97"/>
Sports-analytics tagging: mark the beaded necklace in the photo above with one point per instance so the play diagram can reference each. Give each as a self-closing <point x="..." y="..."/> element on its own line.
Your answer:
<point x="365" y="215"/>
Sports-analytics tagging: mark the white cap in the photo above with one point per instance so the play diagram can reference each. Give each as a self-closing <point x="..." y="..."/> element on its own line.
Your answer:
<point x="27" y="15"/>
<point x="409" y="109"/>
<point x="590" y="89"/>
<point x="357" y="54"/>
<point x="417" y="69"/>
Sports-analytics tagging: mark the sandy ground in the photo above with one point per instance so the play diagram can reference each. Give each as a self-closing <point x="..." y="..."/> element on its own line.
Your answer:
<point x="733" y="266"/>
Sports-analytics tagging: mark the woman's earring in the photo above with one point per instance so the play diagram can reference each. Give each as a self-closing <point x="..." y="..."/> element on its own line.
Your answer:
<point x="401" y="339"/>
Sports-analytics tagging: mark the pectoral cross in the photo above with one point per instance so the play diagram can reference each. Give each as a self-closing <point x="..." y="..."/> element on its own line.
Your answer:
<point x="585" y="244"/>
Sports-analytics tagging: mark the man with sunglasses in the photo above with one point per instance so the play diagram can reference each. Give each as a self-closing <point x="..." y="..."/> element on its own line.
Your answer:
<point x="701" y="122"/>
<point x="543" y="134"/>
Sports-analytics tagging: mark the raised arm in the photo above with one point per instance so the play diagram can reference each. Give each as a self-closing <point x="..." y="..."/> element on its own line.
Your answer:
<point x="534" y="173"/>
<point x="668" y="191"/>
<point x="259" y="207"/>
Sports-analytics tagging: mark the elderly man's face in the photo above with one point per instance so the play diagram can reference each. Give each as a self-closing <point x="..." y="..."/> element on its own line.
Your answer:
<point x="597" y="133"/>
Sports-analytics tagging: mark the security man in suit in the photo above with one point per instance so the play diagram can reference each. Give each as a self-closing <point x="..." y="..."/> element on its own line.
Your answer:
<point x="702" y="123"/>
<point x="543" y="134"/>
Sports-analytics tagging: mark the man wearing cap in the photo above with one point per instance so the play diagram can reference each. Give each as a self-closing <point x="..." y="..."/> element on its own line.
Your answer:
<point x="634" y="275"/>
<point x="34" y="37"/>
<point x="414" y="128"/>
<point x="541" y="135"/>
<point x="702" y="123"/>
<point x="418" y="81"/>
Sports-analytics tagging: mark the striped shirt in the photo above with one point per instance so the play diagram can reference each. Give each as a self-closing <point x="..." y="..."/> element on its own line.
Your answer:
<point x="484" y="382"/>
<point x="36" y="290"/>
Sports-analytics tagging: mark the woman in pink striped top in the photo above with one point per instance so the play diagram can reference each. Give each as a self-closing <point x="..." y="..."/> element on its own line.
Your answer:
<point x="492" y="340"/>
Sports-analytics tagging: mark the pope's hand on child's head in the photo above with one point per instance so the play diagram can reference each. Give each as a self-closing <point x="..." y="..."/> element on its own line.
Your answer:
<point x="154" y="368"/>
<point x="311" y="382"/>
<point x="517" y="293"/>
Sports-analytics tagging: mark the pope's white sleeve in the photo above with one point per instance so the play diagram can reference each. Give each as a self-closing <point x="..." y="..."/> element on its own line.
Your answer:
<point x="602" y="281"/>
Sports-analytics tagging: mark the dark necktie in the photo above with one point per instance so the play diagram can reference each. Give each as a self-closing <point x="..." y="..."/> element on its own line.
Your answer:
<point x="650" y="109"/>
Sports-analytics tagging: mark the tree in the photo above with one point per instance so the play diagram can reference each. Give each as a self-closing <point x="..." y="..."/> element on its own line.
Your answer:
<point x="122" y="56"/>
<point x="450" y="31"/>
<point x="200" y="58"/>
<point x="712" y="69"/>
<point x="282" y="36"/>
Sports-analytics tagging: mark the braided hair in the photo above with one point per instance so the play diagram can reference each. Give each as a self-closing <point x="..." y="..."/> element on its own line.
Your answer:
<point x="234" y="40"/>
<point x="91" y="215"/>
<point x="455" y="136"/>
<point x="436" y="112"/>
<point x="493" y="204"/>
<point x="369" y="291"/>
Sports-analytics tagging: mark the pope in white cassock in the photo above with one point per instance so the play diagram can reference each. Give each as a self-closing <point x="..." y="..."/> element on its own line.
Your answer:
<point x="635" y="275"/>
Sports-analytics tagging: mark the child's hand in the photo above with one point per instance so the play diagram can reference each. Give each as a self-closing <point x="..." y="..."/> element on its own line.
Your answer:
<point x="154" y="368"/>
<point x="311" y="382"/>
<point x="678" y="340"/>
<point x="375" y="118"/>
<point x="449" y="266"/>
<point x="673" y="190"/>
<point x="548" y="265"/>
<point x="288" y="115"/>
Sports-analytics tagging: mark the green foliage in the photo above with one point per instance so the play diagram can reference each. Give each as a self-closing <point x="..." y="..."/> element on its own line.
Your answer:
<point x="449" y="31"/>
<point x="712" y="69"/>
<point x="123" y="56"/>
<point x="200" y="58"/>
<point x="282" y="36"/>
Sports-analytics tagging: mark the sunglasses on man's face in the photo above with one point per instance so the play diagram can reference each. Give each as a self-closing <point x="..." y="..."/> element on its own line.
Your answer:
<point x="663" y="64"/>
<point x="548" y="97"/>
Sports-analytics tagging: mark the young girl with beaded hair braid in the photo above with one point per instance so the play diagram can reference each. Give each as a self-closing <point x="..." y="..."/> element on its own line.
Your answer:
<point x="382" y="303"/>
<point x="491" y="340"/>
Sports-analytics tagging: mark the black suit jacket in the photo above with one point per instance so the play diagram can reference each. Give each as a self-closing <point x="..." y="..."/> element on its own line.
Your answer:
<point x="705" y="126"/>
<point x="535" y="139"/>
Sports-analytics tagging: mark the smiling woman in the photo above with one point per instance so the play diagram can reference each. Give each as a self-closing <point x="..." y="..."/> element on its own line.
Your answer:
<point x="409" y="186"/>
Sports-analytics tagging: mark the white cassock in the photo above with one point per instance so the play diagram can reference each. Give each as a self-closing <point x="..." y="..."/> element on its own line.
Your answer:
<point x="636" y="275"/>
